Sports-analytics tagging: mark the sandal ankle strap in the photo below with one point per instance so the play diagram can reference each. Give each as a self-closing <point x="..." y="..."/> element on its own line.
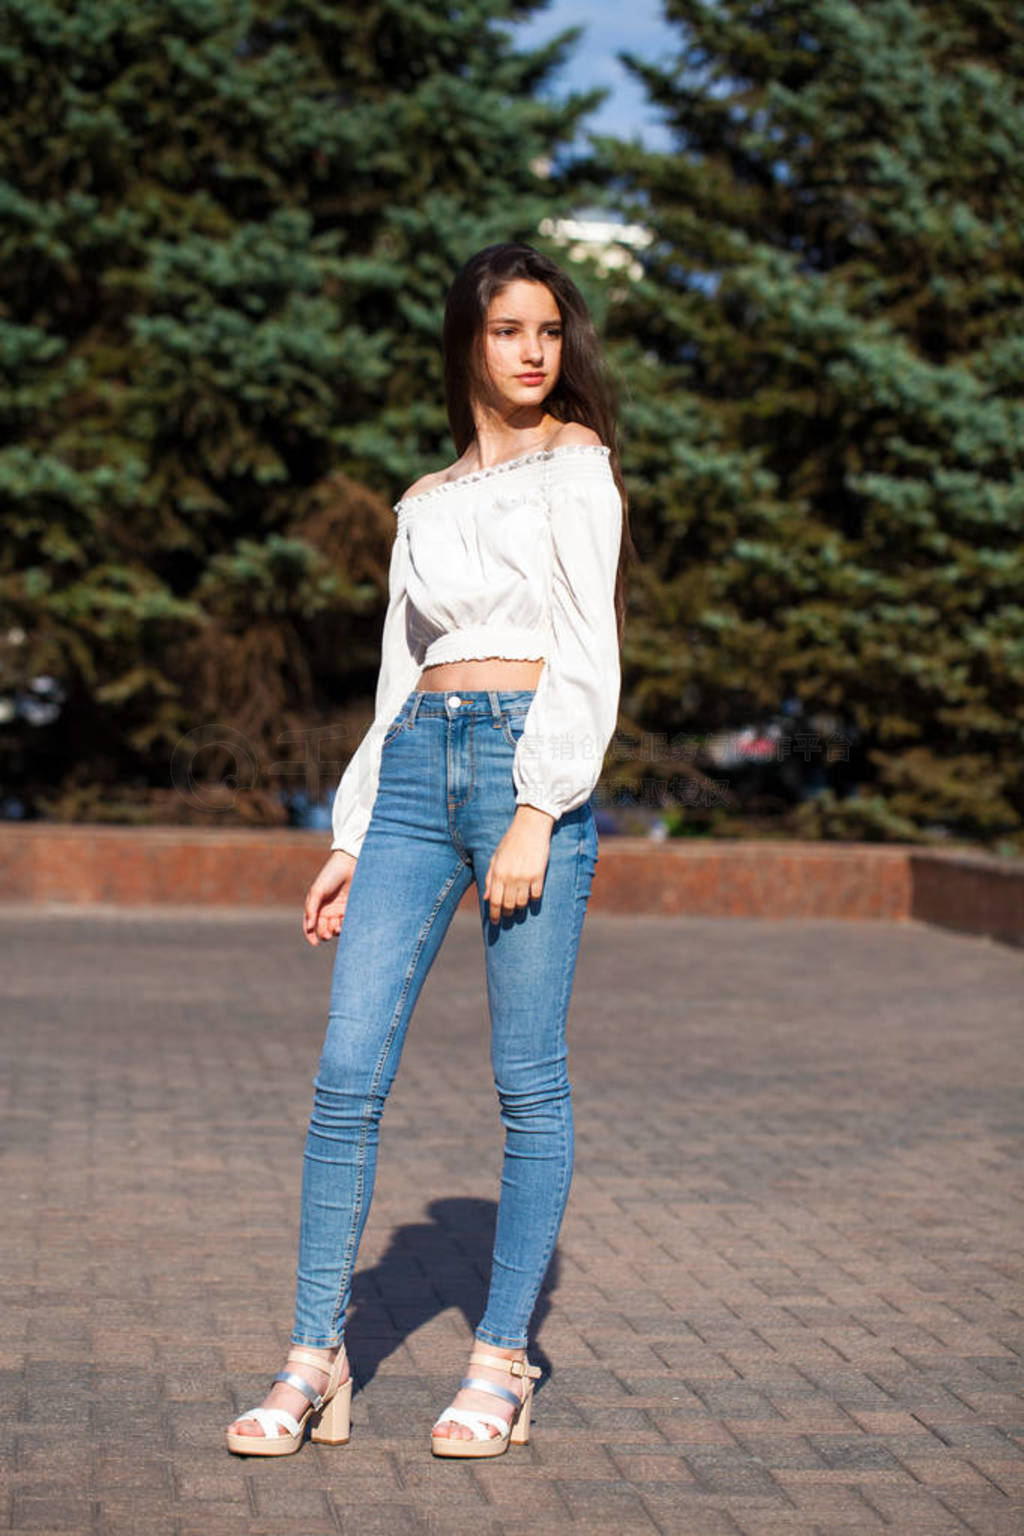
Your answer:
<point x="299" y="1354"/>
<point x="500" y="1363"/>
<point x="304" y="1355"/>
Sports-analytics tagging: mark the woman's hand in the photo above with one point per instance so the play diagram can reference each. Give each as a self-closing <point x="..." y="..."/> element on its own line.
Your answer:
<point x="327" y="898"/>
<point x="515" y="874"/>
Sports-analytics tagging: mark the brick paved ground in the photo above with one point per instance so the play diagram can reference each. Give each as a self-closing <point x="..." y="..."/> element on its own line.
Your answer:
<point x="787" y="1300"/>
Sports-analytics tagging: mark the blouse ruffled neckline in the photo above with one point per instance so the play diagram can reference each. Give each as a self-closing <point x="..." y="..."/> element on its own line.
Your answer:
<point x="535" y="456"/>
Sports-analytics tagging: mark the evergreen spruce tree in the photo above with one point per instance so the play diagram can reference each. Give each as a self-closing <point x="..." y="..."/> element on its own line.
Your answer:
<point x="227" y="229"/>
<point x="826" y="419"/>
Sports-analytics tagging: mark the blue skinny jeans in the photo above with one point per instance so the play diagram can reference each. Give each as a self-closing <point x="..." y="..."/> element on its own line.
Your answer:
<point x="444" y="801"/>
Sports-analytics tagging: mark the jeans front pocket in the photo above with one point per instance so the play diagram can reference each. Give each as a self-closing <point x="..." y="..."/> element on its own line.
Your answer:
<point x="512" y="723"/>
<point x="397" y="725"/>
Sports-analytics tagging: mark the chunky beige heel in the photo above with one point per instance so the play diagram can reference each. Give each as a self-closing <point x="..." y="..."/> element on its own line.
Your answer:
<point x="483" y="1443"/>
<point x="520" y="1431"/>
<point x="333" y="1423"/>
<point x="328" y="1414"/>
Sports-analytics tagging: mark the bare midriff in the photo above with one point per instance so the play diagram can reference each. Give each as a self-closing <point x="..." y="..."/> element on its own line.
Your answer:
<point x="490" y="672"/>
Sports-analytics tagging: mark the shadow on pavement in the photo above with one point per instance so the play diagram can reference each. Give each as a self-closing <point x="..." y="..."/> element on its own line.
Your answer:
<point x="427" y="1268"/>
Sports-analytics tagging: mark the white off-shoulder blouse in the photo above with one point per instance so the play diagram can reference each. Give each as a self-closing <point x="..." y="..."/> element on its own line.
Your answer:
<point x="518" y="561"/>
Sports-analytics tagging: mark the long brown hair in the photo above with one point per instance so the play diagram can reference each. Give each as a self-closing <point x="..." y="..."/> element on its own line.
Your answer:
<point x="584" y="391"/>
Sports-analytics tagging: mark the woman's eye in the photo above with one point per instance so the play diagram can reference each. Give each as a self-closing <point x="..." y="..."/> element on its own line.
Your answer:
<point x="552" y="335"/>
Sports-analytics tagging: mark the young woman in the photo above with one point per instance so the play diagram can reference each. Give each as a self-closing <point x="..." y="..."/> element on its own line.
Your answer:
<point x="497" y="698"/>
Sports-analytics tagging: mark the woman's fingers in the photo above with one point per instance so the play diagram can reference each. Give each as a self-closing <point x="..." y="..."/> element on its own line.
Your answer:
<point x="326" y="898"/>
<point x="507" y="896"/>
<point x="321" y="919"/>
<point x="311" y="914"/>
<point x="332" y="915"/>
<point x="505" y="892"/>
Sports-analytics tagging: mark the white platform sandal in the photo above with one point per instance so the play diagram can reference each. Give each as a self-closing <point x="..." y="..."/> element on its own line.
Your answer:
<point x="328" y="1413"/>
<point x="515" y="1432"/>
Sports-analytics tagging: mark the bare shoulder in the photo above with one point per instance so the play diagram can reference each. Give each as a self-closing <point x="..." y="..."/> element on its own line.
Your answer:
<point x="573" y="434"/>
<point x="427" y="483"/>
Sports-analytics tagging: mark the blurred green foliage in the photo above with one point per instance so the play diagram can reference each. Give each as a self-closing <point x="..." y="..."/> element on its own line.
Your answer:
<point x="825" y="359"/>
<point x="226" y="232"/>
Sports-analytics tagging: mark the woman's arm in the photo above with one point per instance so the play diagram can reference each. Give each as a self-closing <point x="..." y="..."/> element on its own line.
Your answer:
<point x="400" y="666"/>
<point x="575" y="707"/>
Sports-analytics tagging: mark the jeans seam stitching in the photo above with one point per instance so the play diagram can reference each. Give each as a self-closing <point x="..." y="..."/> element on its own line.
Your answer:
<point x="570" y="968"/>
<point x="552" y="1234"/>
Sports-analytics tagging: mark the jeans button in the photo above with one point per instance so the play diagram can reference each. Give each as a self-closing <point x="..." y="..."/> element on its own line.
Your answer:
<point x="454" y="700"/>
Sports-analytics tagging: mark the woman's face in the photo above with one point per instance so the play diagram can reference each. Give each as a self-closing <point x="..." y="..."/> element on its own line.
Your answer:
<point x="523" y="344"/>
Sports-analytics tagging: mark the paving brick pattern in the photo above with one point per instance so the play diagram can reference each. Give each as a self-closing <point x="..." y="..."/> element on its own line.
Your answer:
<point x="787" y="1299"/>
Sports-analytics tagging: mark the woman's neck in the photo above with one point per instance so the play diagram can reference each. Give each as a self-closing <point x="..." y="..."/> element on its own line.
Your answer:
<point x="497" y="439"/>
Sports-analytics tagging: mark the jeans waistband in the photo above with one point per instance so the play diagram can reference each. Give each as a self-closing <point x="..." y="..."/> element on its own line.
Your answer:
<point x="453" y="703"/>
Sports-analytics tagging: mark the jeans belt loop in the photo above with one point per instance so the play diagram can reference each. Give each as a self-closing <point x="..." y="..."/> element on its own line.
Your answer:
<point x="496" y="715"/>
<point x="417" y="701"/>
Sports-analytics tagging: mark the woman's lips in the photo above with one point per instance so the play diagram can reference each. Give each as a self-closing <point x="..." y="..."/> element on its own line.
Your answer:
<point x="530" y="378"/>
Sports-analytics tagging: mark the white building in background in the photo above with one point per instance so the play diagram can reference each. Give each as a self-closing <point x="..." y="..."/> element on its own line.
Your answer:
<point x="611" y="246"/>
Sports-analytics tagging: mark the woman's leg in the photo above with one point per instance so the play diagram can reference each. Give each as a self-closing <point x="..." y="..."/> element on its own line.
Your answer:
<point x="531" y="962"/>
<point x="407" y="884"/>
<point x="404" y="893"/>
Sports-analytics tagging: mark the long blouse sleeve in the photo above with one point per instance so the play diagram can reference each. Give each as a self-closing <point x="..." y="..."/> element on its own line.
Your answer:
<point x="574" y="710"/>
<point x="401" y="662"/>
